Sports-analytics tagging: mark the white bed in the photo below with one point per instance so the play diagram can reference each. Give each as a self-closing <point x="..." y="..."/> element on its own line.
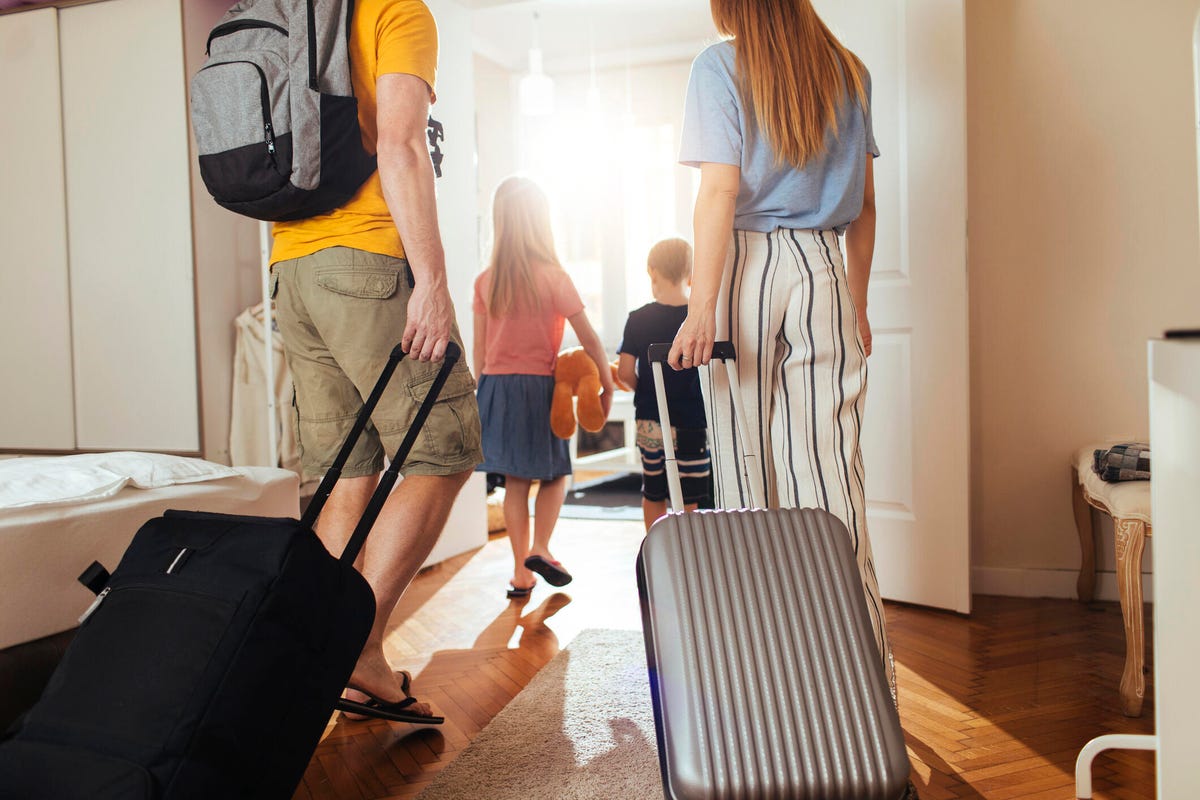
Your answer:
<point x="44" y="547"/>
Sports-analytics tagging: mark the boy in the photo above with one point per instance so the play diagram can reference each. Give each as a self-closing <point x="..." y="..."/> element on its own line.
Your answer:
<point x="670" y="268"/>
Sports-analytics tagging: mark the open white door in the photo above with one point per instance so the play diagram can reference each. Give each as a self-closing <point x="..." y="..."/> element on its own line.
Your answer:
<point x="917" y="424"/>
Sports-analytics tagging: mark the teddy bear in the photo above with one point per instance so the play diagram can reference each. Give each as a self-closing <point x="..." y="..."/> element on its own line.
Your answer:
<point x="575" y="375"/>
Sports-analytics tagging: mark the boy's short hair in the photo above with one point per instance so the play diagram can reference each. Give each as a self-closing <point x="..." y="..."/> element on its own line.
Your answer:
<point x="671" y="259"/>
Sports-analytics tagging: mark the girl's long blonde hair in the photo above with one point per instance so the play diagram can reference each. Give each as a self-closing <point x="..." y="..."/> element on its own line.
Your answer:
<point x="521" y="237"/>
<point x="790" y="70"/>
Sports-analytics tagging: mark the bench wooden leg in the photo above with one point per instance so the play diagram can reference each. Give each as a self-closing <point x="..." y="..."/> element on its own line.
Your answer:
<point x="1130" y="541"/>
<point x="1085" y="587"/>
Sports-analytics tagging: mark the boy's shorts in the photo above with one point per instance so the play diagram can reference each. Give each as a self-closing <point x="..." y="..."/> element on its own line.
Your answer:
<point x="341" y="311"/>
<point x="691" y="456"/>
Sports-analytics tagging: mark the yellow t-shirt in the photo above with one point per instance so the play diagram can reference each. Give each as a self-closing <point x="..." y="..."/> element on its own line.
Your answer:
<point x="387" y="36"/>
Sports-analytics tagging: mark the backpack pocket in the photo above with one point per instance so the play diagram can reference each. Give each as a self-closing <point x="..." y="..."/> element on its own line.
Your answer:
<point x="135" y="670"/>
<point x="242" y="122"/>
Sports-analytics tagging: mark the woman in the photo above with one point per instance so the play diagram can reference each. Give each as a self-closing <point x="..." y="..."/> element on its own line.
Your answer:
<point x="778" y="121"/>
<point x="522" y="303"/>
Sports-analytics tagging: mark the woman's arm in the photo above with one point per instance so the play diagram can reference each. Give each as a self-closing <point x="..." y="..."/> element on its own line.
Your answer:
<point x="713" y="223"/>
<point x="591" y="345"/>
<point x="627" y="370"/>
<point x="860" y="249"/>
<point x="479" y="351"/>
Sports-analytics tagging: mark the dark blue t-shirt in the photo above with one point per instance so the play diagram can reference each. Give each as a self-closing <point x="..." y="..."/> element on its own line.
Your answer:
<point x="651" y="324"/>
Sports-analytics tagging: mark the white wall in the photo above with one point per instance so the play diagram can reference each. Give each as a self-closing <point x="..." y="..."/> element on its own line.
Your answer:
<point x="1083" y="244"/>
<point x="455" y="109"/>
<point x="459" y="222"/>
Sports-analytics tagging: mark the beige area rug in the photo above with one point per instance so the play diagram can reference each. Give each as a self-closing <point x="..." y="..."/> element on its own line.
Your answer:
<point x="582" y="729"/>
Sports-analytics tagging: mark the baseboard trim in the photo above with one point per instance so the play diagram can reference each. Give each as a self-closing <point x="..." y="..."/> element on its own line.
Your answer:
<point x="1058" y="583"/>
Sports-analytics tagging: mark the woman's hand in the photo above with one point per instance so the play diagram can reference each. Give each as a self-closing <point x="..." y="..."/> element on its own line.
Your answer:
<point x="693" y="343"/>
<point x="864" y="330"/>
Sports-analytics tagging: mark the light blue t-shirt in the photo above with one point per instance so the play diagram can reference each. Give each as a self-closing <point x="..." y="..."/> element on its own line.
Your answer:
<point x="826" y="194"/>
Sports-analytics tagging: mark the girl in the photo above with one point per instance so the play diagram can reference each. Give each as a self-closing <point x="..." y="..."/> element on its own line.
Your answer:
<point x="778" y="119"/>
<point x="521" y="302"/>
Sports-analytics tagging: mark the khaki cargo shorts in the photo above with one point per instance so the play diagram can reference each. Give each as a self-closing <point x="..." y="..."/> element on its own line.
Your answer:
<point x="341" y="311"/>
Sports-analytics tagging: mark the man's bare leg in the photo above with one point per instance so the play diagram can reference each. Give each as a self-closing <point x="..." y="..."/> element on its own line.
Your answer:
<point x="407" y="529"/>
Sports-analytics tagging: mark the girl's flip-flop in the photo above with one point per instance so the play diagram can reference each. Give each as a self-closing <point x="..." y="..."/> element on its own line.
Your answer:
<point x="552" y="571"/>
<point x="516" y="592"/>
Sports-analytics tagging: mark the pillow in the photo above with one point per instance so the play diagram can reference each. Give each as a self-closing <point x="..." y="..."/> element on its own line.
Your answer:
<point x="61" y="480"/>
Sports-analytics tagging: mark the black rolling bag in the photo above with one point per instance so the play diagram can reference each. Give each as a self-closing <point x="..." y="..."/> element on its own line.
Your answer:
<point x="764" y="673"/>
<point x="211" y="660"/>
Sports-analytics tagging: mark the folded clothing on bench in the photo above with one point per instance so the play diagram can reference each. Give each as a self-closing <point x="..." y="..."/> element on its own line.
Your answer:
<point x="1123" y="462"/>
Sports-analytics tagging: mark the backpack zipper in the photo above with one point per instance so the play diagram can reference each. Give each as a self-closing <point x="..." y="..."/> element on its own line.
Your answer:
<point x="240" y="25"/>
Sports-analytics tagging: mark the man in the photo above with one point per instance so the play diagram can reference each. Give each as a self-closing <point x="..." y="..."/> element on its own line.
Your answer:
<point x="348" y="286"/>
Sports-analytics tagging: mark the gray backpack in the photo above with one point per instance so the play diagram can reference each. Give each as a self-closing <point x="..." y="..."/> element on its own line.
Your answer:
<point x="274" y="112"/>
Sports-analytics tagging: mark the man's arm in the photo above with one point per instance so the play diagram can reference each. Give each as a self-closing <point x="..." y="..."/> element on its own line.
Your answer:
<point x="479" y="351"/>
<point x="406" y="173"/>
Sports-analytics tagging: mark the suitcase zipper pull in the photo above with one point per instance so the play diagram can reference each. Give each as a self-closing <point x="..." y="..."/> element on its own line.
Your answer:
<point x="178" y="562"/>
<point x="95" y="604"/>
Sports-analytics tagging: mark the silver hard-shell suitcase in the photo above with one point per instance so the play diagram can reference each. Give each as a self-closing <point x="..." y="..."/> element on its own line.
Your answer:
<point x="764" y="673"/>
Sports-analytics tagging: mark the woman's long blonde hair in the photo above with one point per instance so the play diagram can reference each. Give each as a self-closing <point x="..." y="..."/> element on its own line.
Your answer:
<point x="521" y="237"/>
<point x="790" y="70"/>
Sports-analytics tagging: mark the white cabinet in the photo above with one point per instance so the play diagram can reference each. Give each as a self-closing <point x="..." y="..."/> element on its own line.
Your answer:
<point x="36" y="383"/>
<point x="97" y="300"/>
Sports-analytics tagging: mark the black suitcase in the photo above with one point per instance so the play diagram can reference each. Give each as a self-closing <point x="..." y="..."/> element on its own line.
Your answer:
<point x="212" y="658"/>
<point x="764" y="674"/>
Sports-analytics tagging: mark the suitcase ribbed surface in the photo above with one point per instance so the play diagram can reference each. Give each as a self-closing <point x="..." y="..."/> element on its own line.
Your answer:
<point x="768" y="682"/>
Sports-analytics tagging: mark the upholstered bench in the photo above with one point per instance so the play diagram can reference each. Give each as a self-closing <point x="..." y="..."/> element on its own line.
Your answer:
<point x="1128" y="503"/>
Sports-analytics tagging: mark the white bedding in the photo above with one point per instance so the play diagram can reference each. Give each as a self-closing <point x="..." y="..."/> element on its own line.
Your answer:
<point x="43" y="549"/>
<point x="66" y="480"/>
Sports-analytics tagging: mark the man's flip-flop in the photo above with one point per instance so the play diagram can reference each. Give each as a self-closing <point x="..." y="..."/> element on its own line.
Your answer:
<point x="552" y="571"/>
<point x="395" y="712"/>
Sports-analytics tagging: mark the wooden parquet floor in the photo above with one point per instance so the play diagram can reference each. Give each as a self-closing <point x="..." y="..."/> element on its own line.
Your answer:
<point x="996" y="705"/>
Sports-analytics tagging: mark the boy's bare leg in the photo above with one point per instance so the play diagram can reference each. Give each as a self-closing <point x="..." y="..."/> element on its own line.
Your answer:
<point x="407" y="529"/>
<point x="653" y="509"/>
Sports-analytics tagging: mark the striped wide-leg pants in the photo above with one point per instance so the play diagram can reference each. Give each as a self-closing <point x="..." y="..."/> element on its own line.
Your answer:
<point x="785" y="303"/>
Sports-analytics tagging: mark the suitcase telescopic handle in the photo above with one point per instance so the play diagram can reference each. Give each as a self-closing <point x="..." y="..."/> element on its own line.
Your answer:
<point x="388" y="480"/>
<point x="724" y="352"/>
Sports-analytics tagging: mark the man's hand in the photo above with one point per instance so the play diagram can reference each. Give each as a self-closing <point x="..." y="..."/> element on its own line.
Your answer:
<point x="430" y="316"/>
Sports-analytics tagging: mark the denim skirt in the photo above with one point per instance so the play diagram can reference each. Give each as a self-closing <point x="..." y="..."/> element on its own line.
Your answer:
<point x="517" y="440"/>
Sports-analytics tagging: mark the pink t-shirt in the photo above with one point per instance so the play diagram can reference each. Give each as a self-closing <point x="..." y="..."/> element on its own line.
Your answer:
<point x="527" y="343"/>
